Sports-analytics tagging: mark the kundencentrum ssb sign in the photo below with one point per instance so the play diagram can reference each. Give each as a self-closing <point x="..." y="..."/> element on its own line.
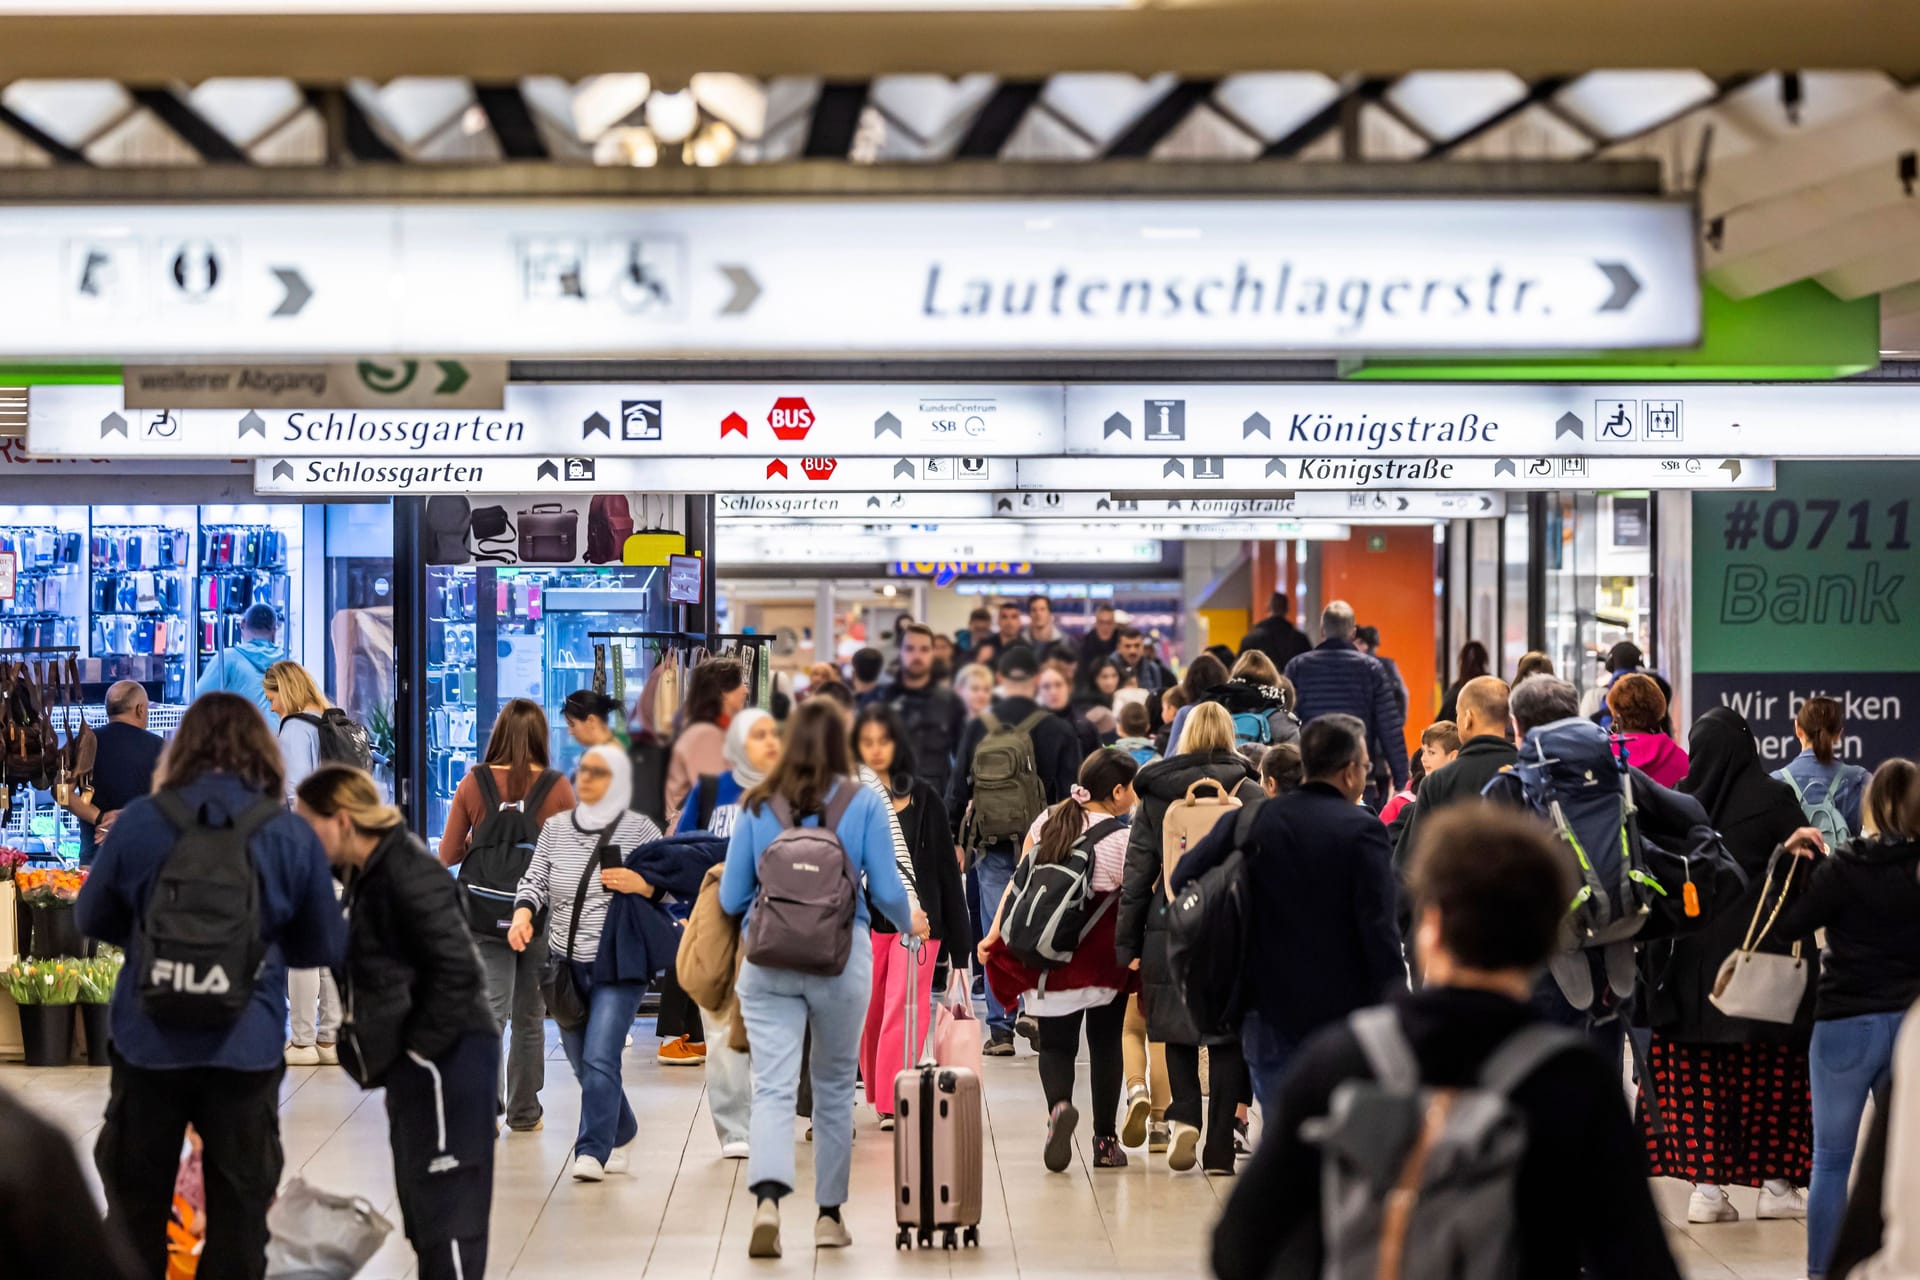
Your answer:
<point x="1812" y="590"/>
<point x="830" y="277"/>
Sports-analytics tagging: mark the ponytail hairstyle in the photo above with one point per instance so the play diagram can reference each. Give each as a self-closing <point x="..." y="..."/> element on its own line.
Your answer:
<point x="1101" y="774"/>
<point x="1820" y="721"/>
<point x="336" y="788"/>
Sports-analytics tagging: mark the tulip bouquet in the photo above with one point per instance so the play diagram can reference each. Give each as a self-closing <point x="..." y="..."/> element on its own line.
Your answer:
<point x="98" y="975"/>
<point x="49" y="886"/>
<point x="43" y="981"/>
<point x="11" y="860"/>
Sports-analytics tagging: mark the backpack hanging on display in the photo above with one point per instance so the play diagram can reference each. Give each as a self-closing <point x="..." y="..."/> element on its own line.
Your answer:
<point x="1419" y="1183"/>
<point x="549" y="534"/>
<point x="802" y="916"/>
<point x="609" y="525"/>
<point x="78" y="752"/>
<point x="199" y="943"/>
<point x="1052" y="906"/>
<point x="32" y="747"/>
<point x="341" y="740"/>
<point x="1007" y="795"/>
<point x="448" y="519"/>
<point x="500" y="852"/>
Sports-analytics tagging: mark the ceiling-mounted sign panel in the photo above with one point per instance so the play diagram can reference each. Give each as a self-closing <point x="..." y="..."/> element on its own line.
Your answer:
<point x="1014" y="277"/>
<point x="923" y="504"/>
<point x="1455" y="419"/>
<point x="1357" y="505"/>
<point x="1241" y="477"/>
<point x="635" y="421"/>
<point x="793" y="475"/>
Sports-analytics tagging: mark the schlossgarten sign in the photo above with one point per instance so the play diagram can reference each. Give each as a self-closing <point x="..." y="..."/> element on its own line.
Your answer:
<point x="1015" y="277"/>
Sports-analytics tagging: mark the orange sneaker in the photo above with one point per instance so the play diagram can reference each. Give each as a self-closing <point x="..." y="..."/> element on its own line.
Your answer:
<point x="680" y="1052"/>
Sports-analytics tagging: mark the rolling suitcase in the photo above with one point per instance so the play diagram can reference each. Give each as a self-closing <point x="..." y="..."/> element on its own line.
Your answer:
<point x="937" y="1147"/>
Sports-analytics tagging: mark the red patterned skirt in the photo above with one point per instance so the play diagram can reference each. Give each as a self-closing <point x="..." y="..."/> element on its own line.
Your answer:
<point x="1736" y="1114"/>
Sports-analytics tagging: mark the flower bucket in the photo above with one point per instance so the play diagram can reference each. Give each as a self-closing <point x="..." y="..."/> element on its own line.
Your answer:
<point x="94" y="1021"/>
<point x="54" y="933"/>
<point x="46" y="1034"/>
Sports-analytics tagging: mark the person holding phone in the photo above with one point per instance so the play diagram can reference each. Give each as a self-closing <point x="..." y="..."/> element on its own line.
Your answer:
<point x="577" y="866"/>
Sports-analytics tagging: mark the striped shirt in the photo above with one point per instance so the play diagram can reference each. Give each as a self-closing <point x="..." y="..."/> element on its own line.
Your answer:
<point x="902" y="857"/>
<point x="553" y="878"/>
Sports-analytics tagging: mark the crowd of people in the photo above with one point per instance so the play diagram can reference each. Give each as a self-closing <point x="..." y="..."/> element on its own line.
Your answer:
<point x="1049" y="818"/>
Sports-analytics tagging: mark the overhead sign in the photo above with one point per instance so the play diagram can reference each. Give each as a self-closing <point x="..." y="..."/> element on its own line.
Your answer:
<point x="897" y="505"/>
<point x="1059" y="533"/>
<point x="651" y="420"/>
<point x="1357" y="506"/>
<point x="793" y="474"/>
<point x="357" y="384"/>
<point x="1456" y="419"/>
<point x="1239" y="477"/>
<point x="835" y="277"/>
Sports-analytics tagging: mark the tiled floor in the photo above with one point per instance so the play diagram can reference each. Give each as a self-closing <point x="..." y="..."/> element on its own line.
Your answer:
<point x="684" y="1212"/>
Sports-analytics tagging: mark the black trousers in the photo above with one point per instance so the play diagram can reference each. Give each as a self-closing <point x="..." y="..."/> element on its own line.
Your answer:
<point x="441" y="1114"/>
<point x="1060" y="1045"/>
<point x="1227" y="1072"/>
<point x="679" y="1015"/>
<point x="138" y="1154"/>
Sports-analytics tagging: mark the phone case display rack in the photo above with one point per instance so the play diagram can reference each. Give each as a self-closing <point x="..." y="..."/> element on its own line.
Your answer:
<point x="46" y="587"/>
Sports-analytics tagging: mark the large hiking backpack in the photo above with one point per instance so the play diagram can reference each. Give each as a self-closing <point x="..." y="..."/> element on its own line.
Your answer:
<point x="609" y="525"/>
<point x="1419" y="1183"/>
<point x="802" y="917"/>
<point x="1207" y="934"/>
<point x="1052" y="908"/>
<point x="1007" y="795"/>
<point x="341" y="740"/>
<point x="1574" y="774"/>
<point x="501" y="850"/>
<point x="200" y="947"/>
<point x="1822" y="813"/>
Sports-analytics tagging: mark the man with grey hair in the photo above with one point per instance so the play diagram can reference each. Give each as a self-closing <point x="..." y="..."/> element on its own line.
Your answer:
<point x="1322" y="898"/>
<point x="122" y="766"/>
<point x="1542" y="700"/>
<point x="1336" y="678"/>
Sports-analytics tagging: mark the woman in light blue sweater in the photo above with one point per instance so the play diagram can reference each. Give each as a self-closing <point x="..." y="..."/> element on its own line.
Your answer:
<point x="815" y="776"/>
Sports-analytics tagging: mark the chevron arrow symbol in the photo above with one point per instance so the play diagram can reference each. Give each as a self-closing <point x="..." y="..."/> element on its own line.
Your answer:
<point x="1174" y="467"/>
<point x="283" y="470"/>
<point x="1277" y="467"/>
<point x="253" y="423"/>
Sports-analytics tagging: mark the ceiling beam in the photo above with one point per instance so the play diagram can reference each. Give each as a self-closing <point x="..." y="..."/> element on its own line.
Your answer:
<point x="511" y="120"/>
<point x="836" y="115"/>
<point x="57" y="151"/>
<point x="1162" y="118"/>
<point x="193" y="128"/>
<point x="1192" y="38"/>
<point x="998" y="119"/>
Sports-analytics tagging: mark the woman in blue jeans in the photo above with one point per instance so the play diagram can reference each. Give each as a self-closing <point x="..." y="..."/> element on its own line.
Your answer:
<point x="566" y="881"/>
<point x="814" y="784"/>
<point x="1866" y="895"/>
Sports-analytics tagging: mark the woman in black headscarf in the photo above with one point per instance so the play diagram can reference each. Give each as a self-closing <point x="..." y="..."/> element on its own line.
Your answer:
<point x="1733" y="1094"/>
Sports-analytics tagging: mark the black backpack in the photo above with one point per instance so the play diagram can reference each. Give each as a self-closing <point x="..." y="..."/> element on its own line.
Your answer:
<point x="200" y="945"/>
<point x="502" y="848"/>
<point x="1052" y="906"/>
<point x="341" y="740"/>
<point x="1208" y="925"/>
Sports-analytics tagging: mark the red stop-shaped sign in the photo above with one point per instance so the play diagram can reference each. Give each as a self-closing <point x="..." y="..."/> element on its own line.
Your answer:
<point x="791" y="418"/>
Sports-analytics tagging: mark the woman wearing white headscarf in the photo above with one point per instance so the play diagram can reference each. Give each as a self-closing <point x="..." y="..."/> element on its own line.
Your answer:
<point x="567" y="870"/>
<point x="752" y="749"/>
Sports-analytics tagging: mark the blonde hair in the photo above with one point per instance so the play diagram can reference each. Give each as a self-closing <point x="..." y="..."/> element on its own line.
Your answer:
<point x="294" y="685"/>
<point x="1208" y="729"/>
<point x="337" y="788"/>
<point x="971" y="673"/>
<point x="1257" y="667"/>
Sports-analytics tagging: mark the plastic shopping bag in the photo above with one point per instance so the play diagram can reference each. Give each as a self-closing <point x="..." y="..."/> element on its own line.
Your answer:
<point x="317" y="1235"/>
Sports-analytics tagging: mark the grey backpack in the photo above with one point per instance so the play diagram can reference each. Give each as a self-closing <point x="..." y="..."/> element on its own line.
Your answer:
<point x="1418" y="1183"/>
<point x="802" y="917"/>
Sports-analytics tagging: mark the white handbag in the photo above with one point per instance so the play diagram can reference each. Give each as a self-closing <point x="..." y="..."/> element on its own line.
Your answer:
<point x="316" y="1235"/>
<point x="1762" y="985"/>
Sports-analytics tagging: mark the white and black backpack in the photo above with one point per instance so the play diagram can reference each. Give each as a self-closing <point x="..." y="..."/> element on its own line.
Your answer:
<point x="200" y="945"/>
<point x="1052" y="907"/>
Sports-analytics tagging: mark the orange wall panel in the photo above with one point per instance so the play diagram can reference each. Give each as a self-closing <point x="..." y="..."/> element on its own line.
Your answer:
<point x="1391" y="589"/>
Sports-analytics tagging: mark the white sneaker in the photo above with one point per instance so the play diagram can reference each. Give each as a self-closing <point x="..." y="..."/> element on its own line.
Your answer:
<point x="304" y="1055"/>
<point x="1710" y="1204"/>
<point x="617" y="1161"/>
<point x="1788" y="1203"/>
<point x="1181" y="1151"/>
<point x="735" y="1150"/>
<point x="329" y="1055"/>
<point x="830" y="1233"/>
<point x="765" y="1240"/>
<point x="587" y="1169"/>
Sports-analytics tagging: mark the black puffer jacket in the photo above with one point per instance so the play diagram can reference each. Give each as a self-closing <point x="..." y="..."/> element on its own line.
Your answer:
<point x="1866" y="895"/>
<point x="1142" y="924"/>
<point x="412" y="980"/>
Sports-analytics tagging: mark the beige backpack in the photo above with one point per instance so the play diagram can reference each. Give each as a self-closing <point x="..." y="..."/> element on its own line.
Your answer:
<point x="1190" y="820"/>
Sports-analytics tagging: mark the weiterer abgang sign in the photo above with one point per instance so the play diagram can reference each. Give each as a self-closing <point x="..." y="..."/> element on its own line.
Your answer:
<point x="831" y="277"/>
